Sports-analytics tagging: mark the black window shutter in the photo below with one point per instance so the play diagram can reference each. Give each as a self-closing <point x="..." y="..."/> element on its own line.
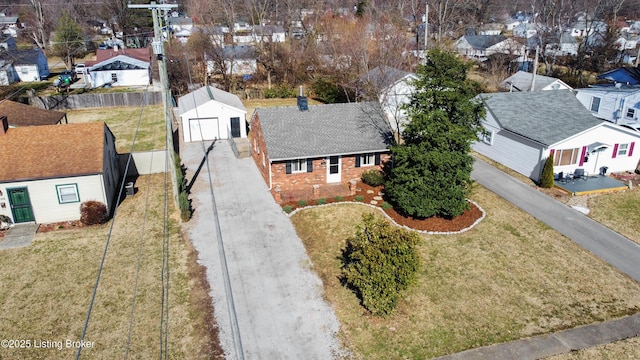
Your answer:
<point x="288" y="169"/>
<point x="357" y="160"/>
<point x="377" y="158"/>
<point x="309" y="165"/>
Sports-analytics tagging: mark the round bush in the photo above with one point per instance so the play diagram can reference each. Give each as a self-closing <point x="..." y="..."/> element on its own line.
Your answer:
<point x="287" y="208"/>
<point x="373" y="177"/>
<point x="93" y="212"/>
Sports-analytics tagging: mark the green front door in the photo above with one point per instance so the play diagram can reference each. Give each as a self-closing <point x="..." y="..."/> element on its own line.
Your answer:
<point x="20" y="205"/>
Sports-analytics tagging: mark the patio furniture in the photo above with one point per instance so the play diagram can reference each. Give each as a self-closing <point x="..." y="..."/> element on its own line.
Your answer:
<point x="580" y="174"/>
<point x="559" y="177"/>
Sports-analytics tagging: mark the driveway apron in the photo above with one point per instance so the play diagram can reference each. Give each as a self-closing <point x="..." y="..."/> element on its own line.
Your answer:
<point x="603" y="242"/>
<point x="277" y="298"/>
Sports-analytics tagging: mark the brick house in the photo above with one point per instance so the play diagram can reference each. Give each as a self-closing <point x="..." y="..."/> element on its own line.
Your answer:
<point x="319" y="152"/>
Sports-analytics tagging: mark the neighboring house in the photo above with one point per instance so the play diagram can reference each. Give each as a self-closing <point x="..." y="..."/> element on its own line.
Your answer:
<point x="523" y="129"/>
<point x="525" y="30"/>
<point x="617" y="103"/>
<point x="19" y="114"/>
<point x="481" y="46"/>
<point x="627" y="41"/>
<point x="269" y="34"/>
<point x="583" y="28"/>
<point x="522" y="81"/>
<point x="121" y="70"/>
<point x="7" y="74"/>
<point x="624" y="75"/>
<point x="210" y="113"/>
<point x="562" y="45"/>
<point x="490" y="29"/>
<point x="57" y="168"/>
<point x="116" y="48"/>
<point x="240" y="60"/>
<point x="8" y="43"/>
<point x="393" y="88"/>
<point x="314" y="153"/>
<point x="9" y="25"/>
<point x="29" y="65"/>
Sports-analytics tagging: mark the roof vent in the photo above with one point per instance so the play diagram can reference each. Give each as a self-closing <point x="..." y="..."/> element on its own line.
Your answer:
<point x="303" y="102"/>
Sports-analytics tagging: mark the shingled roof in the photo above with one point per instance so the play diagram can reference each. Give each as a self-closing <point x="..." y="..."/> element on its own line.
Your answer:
<point x="52" y="151"/>
<point x="19" y="114"/>
<point x="482" y="42"/>
<point x="205" y="94"/>
<point x="324" y="130"/>
<point x="546" y="117"/>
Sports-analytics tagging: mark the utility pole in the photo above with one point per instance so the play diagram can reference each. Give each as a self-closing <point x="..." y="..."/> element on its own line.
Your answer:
<point x="158" y="50"/>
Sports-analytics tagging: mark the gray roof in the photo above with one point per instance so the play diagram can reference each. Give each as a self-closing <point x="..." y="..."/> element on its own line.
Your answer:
<point x="383" y="76"/>
<point x="205" y="94"/>
<point x="334" y="129"/>
<point x="483" y="41"/>
<point x="521" y="81"/>
<point x="546" y="117"/>
<point x="21" y="57"/>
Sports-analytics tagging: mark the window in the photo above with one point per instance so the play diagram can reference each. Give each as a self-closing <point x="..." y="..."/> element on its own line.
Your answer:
<point x="622" y="150"/>
<point x="595" y="104"/>
<point x="67" y="193"/>
<point x="367" y="160"/>
<point x="114" y="77"/>
<point x="488" y="137"/>
<point x="566" y="157"/>
<point x="298" y="166"/>
<point x="24" y="70"/>
<point x="630" y="113"/>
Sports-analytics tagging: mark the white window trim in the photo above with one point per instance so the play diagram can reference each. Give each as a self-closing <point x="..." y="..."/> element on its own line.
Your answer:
<point x="302" y="163"/>
<point x="592" y="101"/>
<point x="365" y="157"/>
<point x="623" y="150"/>
<point x="633" y="113"/>
<point x="488" y="137"/>
<point x="61" y="188"/>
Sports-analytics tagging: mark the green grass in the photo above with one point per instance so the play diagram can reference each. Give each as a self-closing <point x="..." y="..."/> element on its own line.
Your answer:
<point x="618" y="211"/>
<point x="46" y="287"/>
<point x="508" y="278"/>
<point x="123" y="122"/>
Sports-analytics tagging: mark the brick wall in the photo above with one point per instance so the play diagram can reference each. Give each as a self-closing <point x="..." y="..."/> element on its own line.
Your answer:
<point x="259" y="147"/>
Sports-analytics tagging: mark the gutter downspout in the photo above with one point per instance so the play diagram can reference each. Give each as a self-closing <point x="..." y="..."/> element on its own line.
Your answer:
<point x="270" y="177"/>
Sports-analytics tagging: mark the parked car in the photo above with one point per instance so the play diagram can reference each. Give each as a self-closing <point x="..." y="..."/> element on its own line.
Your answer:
<point x="80" y="68"/>
<point x="68" y="76"/>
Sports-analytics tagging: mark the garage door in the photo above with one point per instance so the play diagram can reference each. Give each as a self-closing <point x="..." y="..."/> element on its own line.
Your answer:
<point x="203" y="129"/>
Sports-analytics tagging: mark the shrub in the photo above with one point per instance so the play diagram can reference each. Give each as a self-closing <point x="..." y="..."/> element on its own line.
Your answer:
<point x="359" y="198"/>
<point x="379" y="262"/>
<point x="322" y="201"/>
<point x="287" y="208"/>
<point x="339" y="198"/>
<point x="185" y="206"/>
<point x="385" y="205"/>
<point x="93" y="212"/>
<point x="302" y="203"/>
<point x="281" y="91"/>
<point x="373" y="177"/>
<point x="546" y="180"/>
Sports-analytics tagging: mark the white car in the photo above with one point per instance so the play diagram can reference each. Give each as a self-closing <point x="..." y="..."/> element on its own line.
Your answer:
<point x="80" y="68"/>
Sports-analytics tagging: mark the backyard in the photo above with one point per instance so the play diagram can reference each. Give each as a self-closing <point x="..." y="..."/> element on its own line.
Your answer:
<point x="510" y="277"/>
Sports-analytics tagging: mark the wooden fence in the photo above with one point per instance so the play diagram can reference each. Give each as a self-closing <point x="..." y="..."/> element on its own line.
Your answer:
<point x="82" y="101"/>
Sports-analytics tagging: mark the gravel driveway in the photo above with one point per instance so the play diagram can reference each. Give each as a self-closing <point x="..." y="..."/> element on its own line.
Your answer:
<point x="277" y="298"/>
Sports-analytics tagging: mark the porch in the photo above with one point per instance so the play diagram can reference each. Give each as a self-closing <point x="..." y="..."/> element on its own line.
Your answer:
<point x="589" y="184"/>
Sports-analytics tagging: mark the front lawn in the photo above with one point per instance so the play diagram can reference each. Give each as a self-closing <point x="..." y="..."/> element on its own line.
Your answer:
<point x="618" y="211"/>
<point x="509" y="277"/>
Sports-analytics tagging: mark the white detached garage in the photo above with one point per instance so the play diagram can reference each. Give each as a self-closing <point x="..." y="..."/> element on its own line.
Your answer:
<point x="210" y="113"/>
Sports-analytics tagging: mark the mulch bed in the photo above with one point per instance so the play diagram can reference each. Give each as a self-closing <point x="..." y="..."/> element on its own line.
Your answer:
<point x="434" y="224"/>
<point x="60" y="226"/>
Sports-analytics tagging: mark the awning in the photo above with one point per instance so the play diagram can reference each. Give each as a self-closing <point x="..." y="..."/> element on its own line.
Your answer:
<point x="598" y="146"/>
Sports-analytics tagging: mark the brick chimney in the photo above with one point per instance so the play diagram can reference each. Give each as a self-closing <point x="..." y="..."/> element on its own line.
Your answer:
<point x="5" y="125"/>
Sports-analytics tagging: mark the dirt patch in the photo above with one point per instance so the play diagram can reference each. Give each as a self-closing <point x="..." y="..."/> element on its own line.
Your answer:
<point x="375" y="196"/>
<point x="63" y="225"/>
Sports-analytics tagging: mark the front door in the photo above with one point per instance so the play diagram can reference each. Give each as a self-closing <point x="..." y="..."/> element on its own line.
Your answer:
<point x="20" y="205"/>
<point x="333" y="169"/>
<point x="235" y="127"/>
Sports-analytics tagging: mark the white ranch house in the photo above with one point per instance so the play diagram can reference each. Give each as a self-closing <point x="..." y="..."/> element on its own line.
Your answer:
<point x="526" y="128"/>
<point x="120" y="70"/>
<point x="210" y="113"/>
<point x="522" y="81"/>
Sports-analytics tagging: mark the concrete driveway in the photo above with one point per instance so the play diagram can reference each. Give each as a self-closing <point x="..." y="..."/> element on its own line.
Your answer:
<point x="603" y="242"/>
<point x="277" y="298"/>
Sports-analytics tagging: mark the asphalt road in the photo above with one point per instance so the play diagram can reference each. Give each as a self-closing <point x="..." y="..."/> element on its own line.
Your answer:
<point x="603" y="242"/>
<point x="277" y="310"/>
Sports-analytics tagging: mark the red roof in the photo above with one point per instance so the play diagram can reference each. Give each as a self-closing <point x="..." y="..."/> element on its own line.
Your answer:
<point x="143" y="54"/>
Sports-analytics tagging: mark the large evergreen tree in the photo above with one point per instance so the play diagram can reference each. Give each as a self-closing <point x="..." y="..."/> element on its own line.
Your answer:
<point x="68" y="40"/>
<point x="432" y="165"/>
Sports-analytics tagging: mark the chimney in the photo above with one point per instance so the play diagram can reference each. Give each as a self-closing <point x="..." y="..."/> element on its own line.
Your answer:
<point x="303" y="102"/>
<point x="5" y="125"/>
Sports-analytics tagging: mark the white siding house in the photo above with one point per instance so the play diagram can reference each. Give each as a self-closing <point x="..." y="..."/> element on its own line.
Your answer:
<point x="522" y="81"/>
<point x="619" y="104"/>
<point x="28" y="65"/>
<point x="120" y="70"/>
<point x="525" y="128"/>
<point x="481" y="46"/>
<point x="210" y="113"/>
<point x="47" y="182"/>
